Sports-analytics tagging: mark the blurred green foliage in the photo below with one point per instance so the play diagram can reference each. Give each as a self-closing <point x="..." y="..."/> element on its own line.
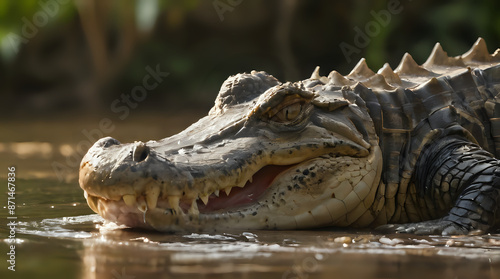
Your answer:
<point x="72" y="64"/>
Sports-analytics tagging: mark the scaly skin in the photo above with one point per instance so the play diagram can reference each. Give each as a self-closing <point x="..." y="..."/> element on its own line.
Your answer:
<point x="411" y="148"/>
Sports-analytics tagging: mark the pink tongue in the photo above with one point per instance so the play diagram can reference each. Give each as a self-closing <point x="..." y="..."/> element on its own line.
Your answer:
<point x="248" y="194"/>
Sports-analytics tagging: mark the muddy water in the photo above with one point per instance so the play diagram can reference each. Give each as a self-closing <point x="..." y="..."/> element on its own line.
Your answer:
<point x="58" y="236"/>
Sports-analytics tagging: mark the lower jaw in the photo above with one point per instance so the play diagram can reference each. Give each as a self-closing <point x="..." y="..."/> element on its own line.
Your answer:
<point x="159" y="219"/>
<point x="119" y="212"/>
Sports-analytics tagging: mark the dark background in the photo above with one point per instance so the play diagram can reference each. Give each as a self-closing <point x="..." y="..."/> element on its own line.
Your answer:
<point x="83" y="55"/>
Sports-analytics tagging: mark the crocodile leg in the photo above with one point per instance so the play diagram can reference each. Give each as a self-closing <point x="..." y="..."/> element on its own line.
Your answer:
<point x="469" y="175"/>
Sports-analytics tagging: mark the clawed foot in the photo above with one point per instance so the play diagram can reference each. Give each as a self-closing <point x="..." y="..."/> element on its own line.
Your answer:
<point x="440" y="226"/>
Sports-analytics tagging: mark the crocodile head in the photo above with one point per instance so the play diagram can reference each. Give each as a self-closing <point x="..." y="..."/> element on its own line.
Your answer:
<point x="268" y="155"/>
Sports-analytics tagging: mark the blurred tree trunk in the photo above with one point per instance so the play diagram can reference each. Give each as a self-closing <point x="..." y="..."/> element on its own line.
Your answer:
<point x="286" y="11"/>
<point x="108" y="57"/>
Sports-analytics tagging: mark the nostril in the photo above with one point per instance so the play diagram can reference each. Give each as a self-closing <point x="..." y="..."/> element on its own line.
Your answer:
<point x="140" y="152"/>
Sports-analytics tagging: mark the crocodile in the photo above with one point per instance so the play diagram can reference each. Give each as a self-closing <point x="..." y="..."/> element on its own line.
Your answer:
<point x="406" y="150"/>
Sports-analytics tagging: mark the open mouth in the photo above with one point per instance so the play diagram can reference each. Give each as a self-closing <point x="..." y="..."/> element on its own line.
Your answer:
<point x="251" y="192"/>
<point x="226" y="199"/>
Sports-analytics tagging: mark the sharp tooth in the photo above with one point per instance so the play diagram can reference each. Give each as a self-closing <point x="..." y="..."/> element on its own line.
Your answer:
<point x="92" y="202"/>
<point x="241" y="184"/>
<point x="216" y="192"/>
<point x="194" y="208"/>
<point x="228" y="190"/>
<point x="142" y="205"/>
<point x="204" y="198"/>
<point x="152" y="196"/>
<point x="100" y="205"/>
<point x="129" y="200"/>
<point x="174" y="203"/>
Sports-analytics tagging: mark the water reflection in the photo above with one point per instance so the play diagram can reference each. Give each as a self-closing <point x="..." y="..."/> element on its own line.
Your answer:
<point x="110" y="251"/>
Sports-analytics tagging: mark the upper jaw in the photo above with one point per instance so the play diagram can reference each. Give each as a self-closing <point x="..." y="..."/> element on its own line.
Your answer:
<point x="110" y="170"/>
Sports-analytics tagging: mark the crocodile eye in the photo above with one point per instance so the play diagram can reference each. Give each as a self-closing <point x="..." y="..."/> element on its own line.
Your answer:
<point x="288" y="113"/>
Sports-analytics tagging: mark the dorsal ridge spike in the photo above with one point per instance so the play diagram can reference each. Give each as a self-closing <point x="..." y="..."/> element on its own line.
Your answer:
<point x="315" y="74"/>
<point x="433" y="84"/>
<point x="390" y="76"/>
<point x="477" y="53"/>
<point x="337" y="79"/>
<point x="407" y="63"/>
<point x="361" y="70"/>
<point x="378" y="81"/>
<point x="439" y="57"/>
<point x="496" y="55"/>
<point x="408" y="66"/>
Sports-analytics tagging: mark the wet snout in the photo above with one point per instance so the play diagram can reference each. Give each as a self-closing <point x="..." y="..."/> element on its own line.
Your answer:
<point x="108" y="162"/>
<point x="138" y="150"/>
